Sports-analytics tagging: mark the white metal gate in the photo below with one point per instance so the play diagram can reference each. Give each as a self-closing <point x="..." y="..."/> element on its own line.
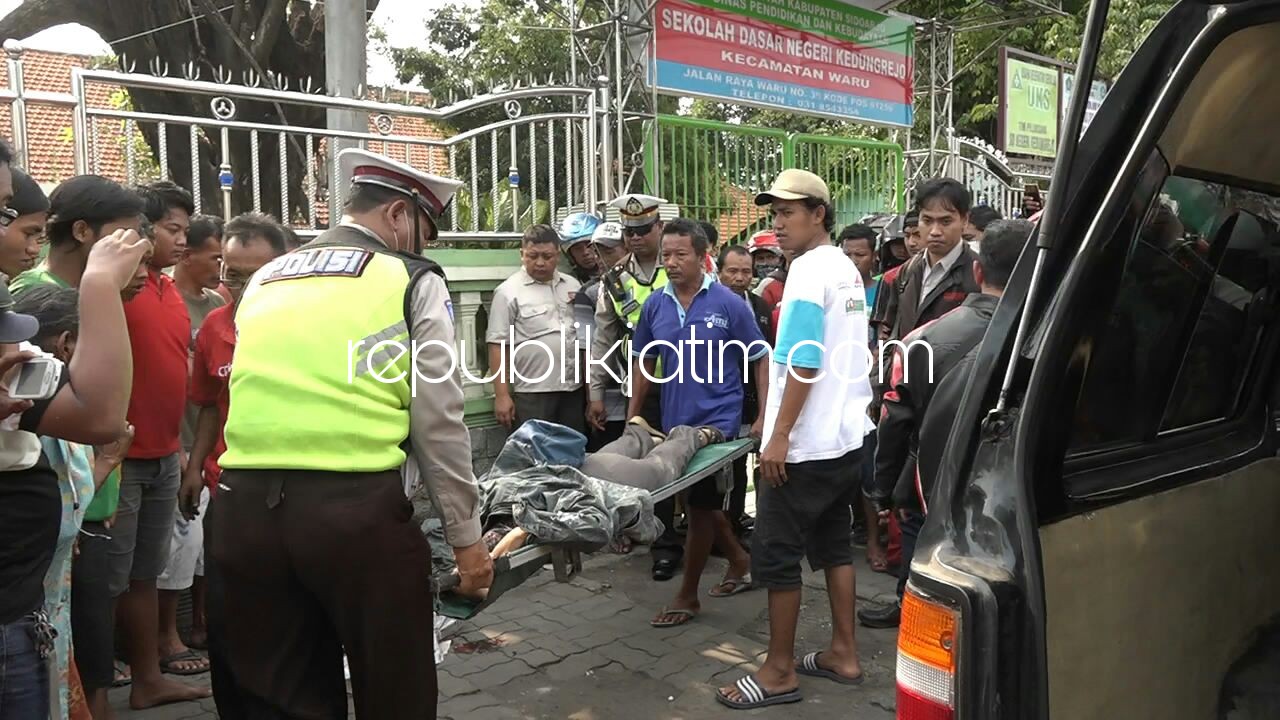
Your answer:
<point x="529" y="152"/>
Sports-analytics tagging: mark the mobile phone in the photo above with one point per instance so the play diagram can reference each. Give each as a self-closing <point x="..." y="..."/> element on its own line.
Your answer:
<point x="37" y="379"/>
<point x="1033" y="190"/>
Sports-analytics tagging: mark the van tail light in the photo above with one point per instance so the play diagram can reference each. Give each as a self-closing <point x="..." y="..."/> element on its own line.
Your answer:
<point x="926" y="659"/>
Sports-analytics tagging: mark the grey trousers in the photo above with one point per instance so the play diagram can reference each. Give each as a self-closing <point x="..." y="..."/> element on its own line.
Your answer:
<point x="636" y="461"/>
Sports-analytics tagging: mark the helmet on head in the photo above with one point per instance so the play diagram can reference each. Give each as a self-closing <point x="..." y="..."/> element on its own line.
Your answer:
<point x="894" y="230"/>
<point x="577" y="228"/>
<point x="766" y="241"/>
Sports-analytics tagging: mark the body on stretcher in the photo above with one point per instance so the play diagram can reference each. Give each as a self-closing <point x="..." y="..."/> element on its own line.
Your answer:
<point x="509" y="571"/>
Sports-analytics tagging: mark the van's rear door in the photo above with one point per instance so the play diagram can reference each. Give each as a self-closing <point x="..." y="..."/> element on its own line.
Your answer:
<point x="1003" y="476"/>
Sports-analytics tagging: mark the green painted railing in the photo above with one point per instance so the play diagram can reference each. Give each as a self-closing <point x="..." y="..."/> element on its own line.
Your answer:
<point x="864" y="176"/>
<point x="713" y="170"/>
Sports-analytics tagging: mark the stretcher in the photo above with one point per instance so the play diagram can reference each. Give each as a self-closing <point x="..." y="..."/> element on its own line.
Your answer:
<point x="512" y="570"/>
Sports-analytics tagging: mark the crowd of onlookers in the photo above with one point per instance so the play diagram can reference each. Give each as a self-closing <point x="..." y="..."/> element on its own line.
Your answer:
<point x="132" y="292"/>
<point x="837" y="461"/>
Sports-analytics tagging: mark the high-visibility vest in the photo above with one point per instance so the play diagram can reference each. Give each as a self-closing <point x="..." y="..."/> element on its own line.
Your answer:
<point x="311" y="388"/>
<point x="639" y="292"/>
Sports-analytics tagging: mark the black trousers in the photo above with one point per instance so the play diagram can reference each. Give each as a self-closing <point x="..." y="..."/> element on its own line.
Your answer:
<point x="738" y="497"/>
<point x="231" y="702"/>
<point x="566" y="408"/>
<point x="314" y="564"/>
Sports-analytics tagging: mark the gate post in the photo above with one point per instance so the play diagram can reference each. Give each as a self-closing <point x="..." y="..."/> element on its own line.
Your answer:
<point x="608" y="188"/>
<point x="80" y="123"/>
<point x="13" y="49"/>
<point x="591" y="179"/>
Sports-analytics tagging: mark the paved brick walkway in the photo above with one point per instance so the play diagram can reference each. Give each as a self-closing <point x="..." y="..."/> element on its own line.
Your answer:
<point x="585" y="651"/>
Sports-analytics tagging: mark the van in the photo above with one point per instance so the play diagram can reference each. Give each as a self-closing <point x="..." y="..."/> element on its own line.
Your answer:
<point x="1102" y="535"/>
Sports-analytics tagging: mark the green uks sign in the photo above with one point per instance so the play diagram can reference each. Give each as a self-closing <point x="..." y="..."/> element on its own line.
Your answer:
<point x="1031" y="113"/>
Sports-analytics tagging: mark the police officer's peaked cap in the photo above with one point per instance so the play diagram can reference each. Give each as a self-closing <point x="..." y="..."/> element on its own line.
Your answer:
<point x="431" y="192"/>
<point x="637" y="210"/>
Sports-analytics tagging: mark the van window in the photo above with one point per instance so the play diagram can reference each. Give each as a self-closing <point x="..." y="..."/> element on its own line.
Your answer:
<point x="1186" y="323"/>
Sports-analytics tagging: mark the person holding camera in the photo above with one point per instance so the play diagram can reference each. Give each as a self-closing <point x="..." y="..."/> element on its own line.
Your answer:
<point x="81" y="472"/>
<point x="85" y="402"/>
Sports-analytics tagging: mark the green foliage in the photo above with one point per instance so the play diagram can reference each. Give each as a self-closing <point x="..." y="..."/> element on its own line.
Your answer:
<point x="476" y="46"/>
<point x="495" y="211"/>
<point x="976" y="92"/>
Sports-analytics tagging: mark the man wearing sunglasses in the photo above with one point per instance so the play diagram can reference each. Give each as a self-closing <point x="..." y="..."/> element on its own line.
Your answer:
<point x="626" y="286"/>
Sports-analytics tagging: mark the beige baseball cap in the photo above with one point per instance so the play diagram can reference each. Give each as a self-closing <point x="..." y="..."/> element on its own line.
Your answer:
<point x="795" y="184"/>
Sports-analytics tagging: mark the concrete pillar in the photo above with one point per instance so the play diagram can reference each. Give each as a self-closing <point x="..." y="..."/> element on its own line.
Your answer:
<point x="345" y="48"/>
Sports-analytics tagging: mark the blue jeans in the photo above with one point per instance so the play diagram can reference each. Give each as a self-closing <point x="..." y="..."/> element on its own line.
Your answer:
<point x="24" y="677"/>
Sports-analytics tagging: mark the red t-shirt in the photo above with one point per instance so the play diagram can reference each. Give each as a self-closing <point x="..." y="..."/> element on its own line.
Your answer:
<point x="211" y="378"/>
<point x="159" y="334"/>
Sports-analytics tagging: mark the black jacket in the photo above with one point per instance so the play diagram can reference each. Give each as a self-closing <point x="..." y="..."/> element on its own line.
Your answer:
<point x="959" y="283"/>
<point x="912" y="383"/>
<point x="935" y="428"/>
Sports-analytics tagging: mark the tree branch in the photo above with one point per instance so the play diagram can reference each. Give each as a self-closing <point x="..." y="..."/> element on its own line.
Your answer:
<point x="32" y="16"/>
<point x="268" y="30"/>
<point x="237" y="16"/>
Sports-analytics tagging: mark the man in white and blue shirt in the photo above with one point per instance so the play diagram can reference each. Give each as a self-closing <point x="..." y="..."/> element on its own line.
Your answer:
<point x="815" y="421"/>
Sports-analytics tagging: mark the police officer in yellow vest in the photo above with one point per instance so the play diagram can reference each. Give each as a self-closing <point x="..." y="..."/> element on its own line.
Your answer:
<point x="313" y="527"/>
<point x="625" y="287"/>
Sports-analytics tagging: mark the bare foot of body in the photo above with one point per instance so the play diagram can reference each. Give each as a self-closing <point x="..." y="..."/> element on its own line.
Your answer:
<point x="143" y="695"/>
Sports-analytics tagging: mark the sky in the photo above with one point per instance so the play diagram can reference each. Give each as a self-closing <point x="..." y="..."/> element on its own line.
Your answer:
<point x="403" y="21"/>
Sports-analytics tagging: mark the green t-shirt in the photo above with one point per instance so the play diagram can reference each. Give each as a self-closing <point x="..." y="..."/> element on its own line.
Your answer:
<point x="38" y="275"/>
<point x="107" y="498"/>
<point x="104" y="502"/>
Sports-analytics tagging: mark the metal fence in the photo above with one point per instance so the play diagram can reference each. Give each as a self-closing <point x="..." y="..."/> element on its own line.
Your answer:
<point x="263" y="144"/>
<point x="986" y="172"/>
<point x="864" y="176"/>
<point x="712" y="171"/>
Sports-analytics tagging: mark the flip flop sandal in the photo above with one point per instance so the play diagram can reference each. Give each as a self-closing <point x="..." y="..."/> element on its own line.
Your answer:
<point x="169" y="664"/>
<point x="682" y="616"/>
<point x="755" y="696"/>
<point x="119" y="678"/>
<point x="808" y="665"/>
<point x="735" y="585"/>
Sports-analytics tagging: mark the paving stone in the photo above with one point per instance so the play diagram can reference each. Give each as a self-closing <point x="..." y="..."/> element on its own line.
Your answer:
<point x="635" y="660"/>
<point x="542" y="625"/>
<point x="566" y="616"/>
<point x="464" y="705"/>
<point x="540" y="658"/>
<point x="477" y="662"/>
<point x="575" y="667"/>
<point x="694" y="635"/>
<point x="648" y="642"/>
<point x="725" y="655"/>
<point x="603" y="611"/>
<point x="501" y="712"/>
<point x="503" y="673"/>
<point x="557" y="646"/>
<point x="451" y="685"/>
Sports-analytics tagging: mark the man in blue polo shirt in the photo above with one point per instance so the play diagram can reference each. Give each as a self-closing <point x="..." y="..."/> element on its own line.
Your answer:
<point x="704" y="336"/>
